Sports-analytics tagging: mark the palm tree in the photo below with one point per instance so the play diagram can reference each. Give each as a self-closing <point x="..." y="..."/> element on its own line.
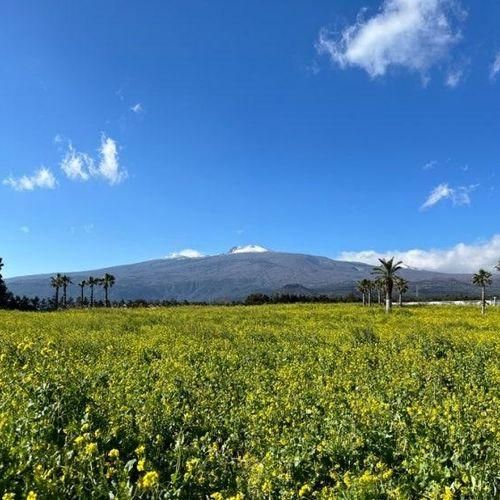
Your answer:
<point x="370" y="286"/>
<point x="4" y="294"/>
<point x="379" y="285"/>
<point x="387" y="272"/>
<point x="362" y="288"/>
<point x="482" y="278"/>
<point x="108" y="280"/>
<point x="92" y="282"/>
<point x="82" y="285"/>
<point x="65" y="282"/>
<point x="56" y="282"/>
<point x="402" y="287"/>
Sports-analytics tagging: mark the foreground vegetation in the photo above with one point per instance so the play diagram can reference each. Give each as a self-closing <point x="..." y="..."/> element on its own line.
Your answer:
<point x="298" y="401"/>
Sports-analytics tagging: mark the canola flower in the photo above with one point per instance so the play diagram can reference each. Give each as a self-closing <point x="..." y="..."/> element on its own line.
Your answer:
<point x="298" y="401"/>
<point x="149" y="480"/>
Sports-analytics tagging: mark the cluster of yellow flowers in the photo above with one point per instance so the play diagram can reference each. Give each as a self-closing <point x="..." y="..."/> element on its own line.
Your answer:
<point x="229" y="403"/>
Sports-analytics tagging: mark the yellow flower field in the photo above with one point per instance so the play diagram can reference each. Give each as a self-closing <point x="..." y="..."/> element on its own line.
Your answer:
<point x="302" y="401"/>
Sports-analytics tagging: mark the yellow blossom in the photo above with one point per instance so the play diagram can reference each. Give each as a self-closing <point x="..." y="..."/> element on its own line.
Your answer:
<point x="305" y="490"/>
<point x="448" y="494"/>
<point x="149" y="480"/>
<point x="91" y="449"/>
<point x="79" y="440"/>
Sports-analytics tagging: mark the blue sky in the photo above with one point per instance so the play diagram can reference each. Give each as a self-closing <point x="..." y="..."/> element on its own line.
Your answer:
<point x="132" y="130"/>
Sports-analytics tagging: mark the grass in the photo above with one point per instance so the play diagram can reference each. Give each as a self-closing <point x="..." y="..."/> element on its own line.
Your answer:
<point x="301" y="401"/>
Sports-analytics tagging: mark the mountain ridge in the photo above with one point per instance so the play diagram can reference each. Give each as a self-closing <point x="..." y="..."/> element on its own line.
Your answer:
<point x="234" y="276"/>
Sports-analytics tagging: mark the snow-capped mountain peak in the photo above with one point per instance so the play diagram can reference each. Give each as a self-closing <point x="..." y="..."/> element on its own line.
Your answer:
<point x="248" y="249"/>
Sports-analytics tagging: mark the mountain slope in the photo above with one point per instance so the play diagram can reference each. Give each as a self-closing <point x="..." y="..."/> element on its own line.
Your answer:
<point x="235" y="275"/>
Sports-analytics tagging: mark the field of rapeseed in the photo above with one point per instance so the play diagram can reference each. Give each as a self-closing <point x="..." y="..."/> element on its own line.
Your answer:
<point x="305" y="401"/>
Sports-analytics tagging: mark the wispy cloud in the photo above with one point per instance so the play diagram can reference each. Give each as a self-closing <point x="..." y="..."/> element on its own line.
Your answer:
<point x="76" y="165"/>
<point x="458" y="195"/>
<point x="495" y="67"/>
<point x="412" y="34"/>
<point x="58" y="139"/>
<point x="465" y="258"/>
<point x="188" y="253"/>
<point x="24" y="229"/>
<point x="109" y="165"/>
<point x="41" y="179"/>
<point x="81" y="166"/>
<point x="430" y="165"/>
<point x="137" y="108"/>
<point x="454" y="77"/>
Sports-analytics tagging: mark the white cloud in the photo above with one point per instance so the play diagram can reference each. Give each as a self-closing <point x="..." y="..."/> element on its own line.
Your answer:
<point x="137" y="108"/>
<point x="24" y="229"/>
<point x="462" y="258"/>
<point x="41" y="179"/>
<point x="76" y="165"/>
<point x="430" y="165"/>
<point x="412" y="34"/>
<point x="109" y="165"/>
<point x="454" y="77"/>
<point x="495" y="67"/>
<point x="458" y="196"/>
<point x="81" y="166"/>
<point x="188" y="253"/>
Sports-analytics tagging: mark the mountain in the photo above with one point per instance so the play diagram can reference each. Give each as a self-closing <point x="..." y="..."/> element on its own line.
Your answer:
<point x="246" y="270"/>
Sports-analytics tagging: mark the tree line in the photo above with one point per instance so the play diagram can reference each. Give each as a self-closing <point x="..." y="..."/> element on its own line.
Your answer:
<point x="62" y="282"/>
<point x="387" y="280"/>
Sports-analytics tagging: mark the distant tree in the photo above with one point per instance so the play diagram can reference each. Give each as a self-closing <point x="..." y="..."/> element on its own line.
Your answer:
<point x="497" y="267"/>
<point x="379" y="285"/>
<point x="256" y="299"/>
<point x="370" y="285"/>
<point x="363" y="288"/>
<point x="108" y="280"/>
<point x="387" y="273"/>
<point x="92" y="282"/>
<point x="65" y="282"/>
<point x="482" y="279"/>
<point x="56" y="282"/>
<point x="82" y="286"/>
<point x="4" y="293"/>
<point x="402" y="287"/>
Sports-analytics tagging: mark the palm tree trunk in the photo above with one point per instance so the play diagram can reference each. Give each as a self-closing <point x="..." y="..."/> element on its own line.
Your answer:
<point x="483" y="299"/>
<point x="364" y="299"/>
<point x="400" y="299"/>
<point x="64" y="296"/>
<point x="106" y="296"/>
<point x="57" y="297"/>
<point x="81" y="297"/>
<point x="92" y="296"/>
<point x="379" y="297"/>
<point x="369" y="298"/>
<point x="388" y="302"/>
